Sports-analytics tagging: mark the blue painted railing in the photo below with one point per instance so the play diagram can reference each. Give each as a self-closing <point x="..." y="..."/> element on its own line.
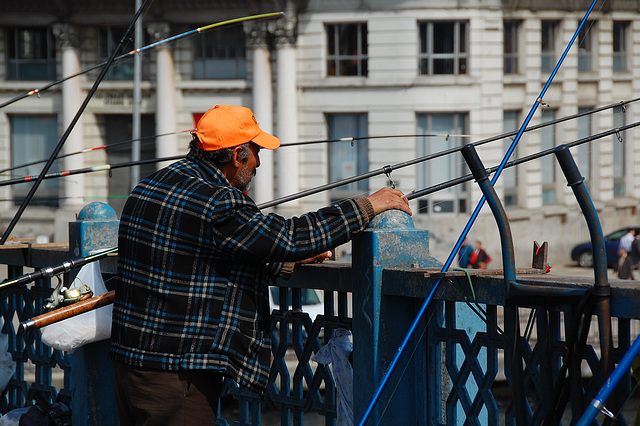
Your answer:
<point x="447" y="376"/>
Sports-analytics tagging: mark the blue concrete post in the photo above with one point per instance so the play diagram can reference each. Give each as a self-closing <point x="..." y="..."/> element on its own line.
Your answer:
<point x="380" y="322"/>
<point x="93" y="402"/>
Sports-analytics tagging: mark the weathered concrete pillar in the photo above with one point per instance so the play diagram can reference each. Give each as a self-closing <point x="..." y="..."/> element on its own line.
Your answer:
<point x="166" y="145"/>
<point x="381" y="322"/>
<point x="68" y="41"/>
<point x="256" y="34"/>
<point x="287" y="112"/>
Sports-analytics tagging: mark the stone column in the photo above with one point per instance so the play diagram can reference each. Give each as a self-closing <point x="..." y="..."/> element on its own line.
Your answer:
<point x="166" y="146"/>
<point x="256" y="33"/>
<point x="287" y="109"/>
<point x="68" y="43"/>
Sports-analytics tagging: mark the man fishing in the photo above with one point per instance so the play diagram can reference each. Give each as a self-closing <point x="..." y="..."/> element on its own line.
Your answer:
<point x="196" y="256"/>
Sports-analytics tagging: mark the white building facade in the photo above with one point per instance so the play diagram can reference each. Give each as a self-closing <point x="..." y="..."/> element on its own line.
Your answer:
<point x="381" y="72"/>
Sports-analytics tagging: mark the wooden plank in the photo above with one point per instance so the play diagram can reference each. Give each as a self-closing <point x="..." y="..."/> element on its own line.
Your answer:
<point x="479" y="272"/>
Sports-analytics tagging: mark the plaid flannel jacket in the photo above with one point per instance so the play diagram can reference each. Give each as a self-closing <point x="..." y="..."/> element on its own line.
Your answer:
<point x="195" y="257"/>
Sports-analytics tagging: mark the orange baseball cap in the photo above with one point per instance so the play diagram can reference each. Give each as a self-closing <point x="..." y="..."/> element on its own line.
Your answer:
<point x="226" y="126"/>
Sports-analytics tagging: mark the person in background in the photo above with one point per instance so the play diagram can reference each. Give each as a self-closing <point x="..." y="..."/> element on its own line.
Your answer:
<point x="464" y="253"/>
<point x="479" y="259"/>
<point x="625" y="270"/>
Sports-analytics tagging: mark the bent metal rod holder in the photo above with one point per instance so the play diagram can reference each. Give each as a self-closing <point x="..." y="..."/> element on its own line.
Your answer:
<point x="602" y="289"/>
<point x="532" y="294"/>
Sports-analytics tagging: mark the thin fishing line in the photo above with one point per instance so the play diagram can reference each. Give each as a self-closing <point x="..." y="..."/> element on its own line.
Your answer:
<point x="478" y="143"/>
<point x="150" y="46"/>
<point x="530" y="323"/>
<point x="359" y="138"/>
<point x="393" y="391"/>
<point x="472" y="219"/>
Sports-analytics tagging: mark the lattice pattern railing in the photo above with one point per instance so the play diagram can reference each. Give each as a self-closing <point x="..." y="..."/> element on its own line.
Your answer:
<point x="36" y="363"/>
<point x="473" y="403"/>
<point x="471" y="362"/>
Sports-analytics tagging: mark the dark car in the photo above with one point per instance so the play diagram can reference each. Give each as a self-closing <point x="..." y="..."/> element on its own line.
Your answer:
<point x="583" y="253"/>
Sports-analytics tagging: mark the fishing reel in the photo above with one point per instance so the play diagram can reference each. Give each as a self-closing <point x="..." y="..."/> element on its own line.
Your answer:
<point x="63" y="296"/>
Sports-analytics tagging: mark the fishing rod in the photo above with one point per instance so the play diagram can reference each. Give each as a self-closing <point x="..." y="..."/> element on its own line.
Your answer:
<point x="130" y="141"/>
<point x="101" y="168"/>
<point x="390" y="168"/>
<point x="597" y="404"/>
<point x="67" y="312"/>
<point x="465" y="231"/>
<point x="352" y="138"/>
<point x="142" y="49"/>
<point x="108" y="147"/>
<point x="452" y="135"/>
<point x="51" y="271"/>
<point x="66" y="134"/>
<point x="410" y="196"/>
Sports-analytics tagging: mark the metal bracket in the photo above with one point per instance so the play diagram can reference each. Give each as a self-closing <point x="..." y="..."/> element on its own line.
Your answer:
<point x="540" y="252"/>
<point x="62" y="296"/>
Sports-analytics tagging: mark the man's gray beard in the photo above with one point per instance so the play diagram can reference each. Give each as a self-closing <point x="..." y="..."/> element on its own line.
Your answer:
<point x="245" y="181"/>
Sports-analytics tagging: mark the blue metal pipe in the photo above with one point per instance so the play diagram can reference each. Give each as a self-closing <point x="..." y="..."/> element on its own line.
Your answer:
<point x="576" y="182"/>
<point x="602" y="290"/>
<point x="506" y="240"/>
<point x="512" y="325"/>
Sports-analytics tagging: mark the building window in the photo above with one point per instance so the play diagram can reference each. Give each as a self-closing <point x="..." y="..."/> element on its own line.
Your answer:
<point x="109" y="38"/>
<point x="619" y="153"/>
<point x="585" y="46"/>
<point x="31" y="54"/>
<point x="220" y="54"/>
<point x="584" y="150"/>
<point x="549" y="37"/>
<point x="118" y="128"/>
<point x="511" y="123"/>
<point x="33" y="137"/>
<point x="510" y="33"/>
<point x="443" y="47"/>
<point x="346" y="159"/>
<point x="620" y="35"/>
<point x="347" y="49"/>
<point x="548" y="141"/>
<point x="445" y="168"/>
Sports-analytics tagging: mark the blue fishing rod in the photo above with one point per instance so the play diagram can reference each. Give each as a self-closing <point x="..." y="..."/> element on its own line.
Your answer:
<point x="597" y="404"/>
<point x="470" y="222"/>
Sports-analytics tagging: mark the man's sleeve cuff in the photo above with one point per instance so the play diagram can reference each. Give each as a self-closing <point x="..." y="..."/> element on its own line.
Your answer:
<point x="367" y="209"/>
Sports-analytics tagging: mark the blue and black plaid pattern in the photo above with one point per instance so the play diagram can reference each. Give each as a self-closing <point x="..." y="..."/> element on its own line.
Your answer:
<point x="195" y="260"/>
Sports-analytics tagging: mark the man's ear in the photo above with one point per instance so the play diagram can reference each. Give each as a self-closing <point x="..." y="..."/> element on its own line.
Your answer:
<point x="236" y="157"/>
